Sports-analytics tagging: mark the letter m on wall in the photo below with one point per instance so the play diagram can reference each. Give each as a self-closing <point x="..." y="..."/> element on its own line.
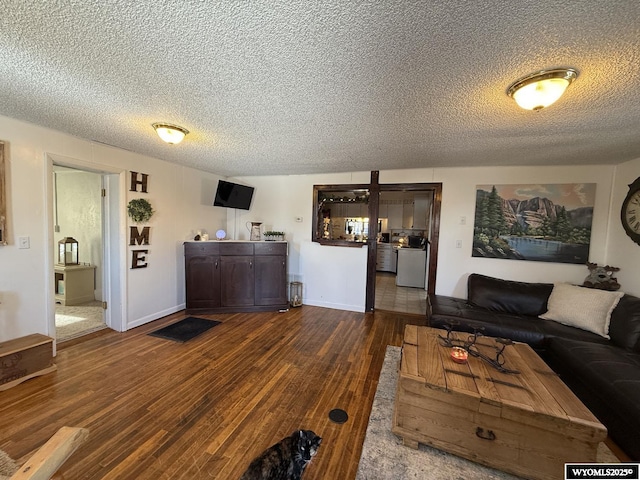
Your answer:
<point x="140" y="238"/>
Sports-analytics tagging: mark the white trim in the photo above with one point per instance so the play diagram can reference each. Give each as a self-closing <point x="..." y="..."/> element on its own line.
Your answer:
<point x="155" y="316"/>
<point x="113" y="229"/>
<point x="114" y="278"/>
<point x="335" y="306"/>
<point x="50" y="305"/>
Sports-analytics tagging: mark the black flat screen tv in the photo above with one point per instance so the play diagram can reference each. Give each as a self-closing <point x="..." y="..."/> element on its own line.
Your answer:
<point x="233" y="195"/>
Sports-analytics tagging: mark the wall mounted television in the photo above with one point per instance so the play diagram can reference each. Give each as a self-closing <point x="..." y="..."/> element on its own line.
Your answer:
<point x="233" y="195"/>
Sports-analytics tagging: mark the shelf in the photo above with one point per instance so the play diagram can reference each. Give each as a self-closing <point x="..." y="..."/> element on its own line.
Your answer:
<point x="74" y="284"/>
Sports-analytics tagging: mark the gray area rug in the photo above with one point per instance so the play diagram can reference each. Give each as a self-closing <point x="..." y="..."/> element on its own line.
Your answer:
<point x="384" y="456"/>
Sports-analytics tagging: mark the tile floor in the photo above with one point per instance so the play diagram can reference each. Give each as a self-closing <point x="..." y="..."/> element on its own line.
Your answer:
<point x="399" y="299"/>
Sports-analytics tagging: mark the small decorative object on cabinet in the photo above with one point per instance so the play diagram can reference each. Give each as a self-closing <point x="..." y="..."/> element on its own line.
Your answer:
<point x="295" y="294"/>
<point x="68" y="251"/>
<point x="254" y="231"/>
<point x="272" y="236"/>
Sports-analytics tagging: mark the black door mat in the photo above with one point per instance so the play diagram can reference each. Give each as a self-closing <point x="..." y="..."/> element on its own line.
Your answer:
<point x="185" y="329"/>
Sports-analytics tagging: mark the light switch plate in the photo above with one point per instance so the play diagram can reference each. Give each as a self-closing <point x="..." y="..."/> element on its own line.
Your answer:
<point x="24" y="242"/>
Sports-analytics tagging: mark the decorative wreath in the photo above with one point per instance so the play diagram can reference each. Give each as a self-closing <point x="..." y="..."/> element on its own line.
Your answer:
<point x="139" y="210"/>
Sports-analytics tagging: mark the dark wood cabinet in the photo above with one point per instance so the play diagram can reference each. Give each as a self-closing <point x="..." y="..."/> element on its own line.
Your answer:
<point x="271" y="276"/>
<point x="202" y="275"/>
<point x="238" y="285"/>
<point x="235" y="276"/>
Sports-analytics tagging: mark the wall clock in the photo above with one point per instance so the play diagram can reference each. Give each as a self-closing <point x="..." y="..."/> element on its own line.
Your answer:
<point x="630" y="212"/>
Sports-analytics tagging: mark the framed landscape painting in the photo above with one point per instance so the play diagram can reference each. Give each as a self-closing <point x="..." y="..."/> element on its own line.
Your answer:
<point x="544" y="223"/>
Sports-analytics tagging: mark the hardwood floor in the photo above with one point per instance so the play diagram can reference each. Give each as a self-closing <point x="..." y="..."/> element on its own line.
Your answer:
<point x="158" y="409"/>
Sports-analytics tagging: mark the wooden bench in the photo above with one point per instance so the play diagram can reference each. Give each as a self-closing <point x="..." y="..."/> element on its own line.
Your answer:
<point x="24" y="358"/>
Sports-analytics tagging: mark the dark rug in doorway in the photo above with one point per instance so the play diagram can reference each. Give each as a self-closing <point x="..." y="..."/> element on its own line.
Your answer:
<point x="185" y="329"/>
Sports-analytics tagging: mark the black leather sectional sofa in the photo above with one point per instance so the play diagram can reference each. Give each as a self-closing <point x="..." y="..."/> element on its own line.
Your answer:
<point x="603" y="373"/>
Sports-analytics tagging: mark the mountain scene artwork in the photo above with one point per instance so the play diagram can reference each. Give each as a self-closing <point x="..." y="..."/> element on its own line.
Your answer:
<point x="544" y="223"/>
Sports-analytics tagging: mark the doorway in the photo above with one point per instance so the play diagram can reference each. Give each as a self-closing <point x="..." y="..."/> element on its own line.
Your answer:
<point x="401" y="286"/>
<point x="402" y="272"/>
<point x="77" y="204"/>
<point x="84" y="213"/>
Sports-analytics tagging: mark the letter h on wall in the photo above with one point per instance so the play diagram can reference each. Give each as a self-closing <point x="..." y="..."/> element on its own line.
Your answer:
<point x="135" y="182"/>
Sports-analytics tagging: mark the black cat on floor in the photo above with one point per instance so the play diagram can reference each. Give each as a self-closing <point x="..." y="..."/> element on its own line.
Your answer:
<point x="286" y="460"/>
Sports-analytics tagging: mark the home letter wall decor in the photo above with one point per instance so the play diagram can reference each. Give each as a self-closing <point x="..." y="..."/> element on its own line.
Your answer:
<point x="139" y="259"/>
<point x="139" y="210"/>
<point x="141" y="238"/>
<point x="135" y="182"/>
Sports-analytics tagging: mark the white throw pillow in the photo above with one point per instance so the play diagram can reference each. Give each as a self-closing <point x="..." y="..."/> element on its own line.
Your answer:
<point x="586" y="308"/>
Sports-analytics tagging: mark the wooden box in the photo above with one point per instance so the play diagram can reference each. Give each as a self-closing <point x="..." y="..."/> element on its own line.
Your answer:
<point x="528" y="424"/>
<point x="24" y="358"/>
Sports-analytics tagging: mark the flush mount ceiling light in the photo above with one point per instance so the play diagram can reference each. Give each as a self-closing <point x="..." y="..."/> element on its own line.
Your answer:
<point x="541" y="89"/>
<point x="172" y="134"/>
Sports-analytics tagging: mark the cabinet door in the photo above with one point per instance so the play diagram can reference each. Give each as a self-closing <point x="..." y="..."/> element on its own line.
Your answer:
<point x="382" y="258"/>
<point x="237" y="280"/>
<point x="202" y="281"/>
<point x="383" y="210"/>
<point x="271" y="280"/>
<point x="395" y="216"/>
<point x="407" y="215"/>
<point x="420" y="212"/>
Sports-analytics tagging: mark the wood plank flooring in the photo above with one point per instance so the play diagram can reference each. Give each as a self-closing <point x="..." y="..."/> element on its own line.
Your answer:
<point x="204" y="409"/>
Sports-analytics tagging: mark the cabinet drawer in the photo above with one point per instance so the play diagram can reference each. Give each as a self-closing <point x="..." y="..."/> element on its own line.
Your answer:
<point x="236" y="249"/>
<point x="270" y="248"/>
<point x="201" y="248"/>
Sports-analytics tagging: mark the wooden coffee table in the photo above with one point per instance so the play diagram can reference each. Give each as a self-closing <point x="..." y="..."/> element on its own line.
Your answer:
<point x="528" y="423"/>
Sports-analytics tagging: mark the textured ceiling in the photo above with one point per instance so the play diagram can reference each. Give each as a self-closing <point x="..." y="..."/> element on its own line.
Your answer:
<point x="284" y="87"/>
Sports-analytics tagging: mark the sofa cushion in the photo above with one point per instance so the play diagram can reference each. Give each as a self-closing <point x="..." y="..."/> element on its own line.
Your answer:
<point x="586" y="308"/>
<point x="462" y="316"/>
<point x="607" y="380"/>
<point x="624" y="328"/>
<point x="508" y="296"/>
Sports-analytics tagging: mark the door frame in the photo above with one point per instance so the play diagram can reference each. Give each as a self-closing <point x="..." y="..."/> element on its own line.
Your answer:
<point x="113" y="249"/>
<point x="434" y="231"/>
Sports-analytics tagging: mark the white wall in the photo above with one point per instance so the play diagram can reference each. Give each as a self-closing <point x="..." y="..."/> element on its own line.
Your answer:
<point x="336" y="276"/>
<point x="182" y="198"/>
<point x="458" y="200"/>
<point x="79" y="213"/>
<point x="332" y="277"/>
<point x="622" y="251"/>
